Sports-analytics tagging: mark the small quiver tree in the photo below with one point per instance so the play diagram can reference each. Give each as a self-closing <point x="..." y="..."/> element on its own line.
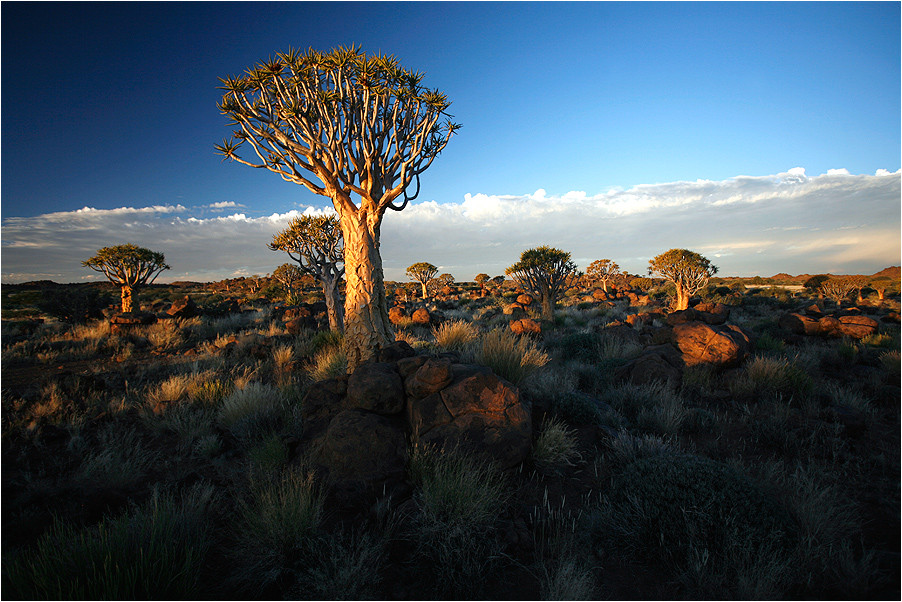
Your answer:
<point x="602" y="271"/>
<point x="316" y="244"/>
<point x="290" y="278"/>
<point x="838" y="288"/>
<point x="543" y="272"/>
<point x="129" y="266"/>
<point x="355" y="128"/>
<point x="481" y="279"/>
<point x="422" y="272"/>
<point x="688" y="271"/>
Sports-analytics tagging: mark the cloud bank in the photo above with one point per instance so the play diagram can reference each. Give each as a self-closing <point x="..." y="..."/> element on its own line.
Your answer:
<point x="747" y="225"/>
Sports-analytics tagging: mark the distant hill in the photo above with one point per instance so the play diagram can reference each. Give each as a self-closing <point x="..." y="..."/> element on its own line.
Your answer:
<point x="893" y="272"/>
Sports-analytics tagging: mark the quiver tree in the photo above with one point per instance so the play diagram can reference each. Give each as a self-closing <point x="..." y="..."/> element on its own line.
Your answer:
<point x="543" y="272"/>
<point x="316" y="244"/>
<point x="839" y="287"/>
<point x="290" y="277"/>
<point x="422" y="272"/>
<point x="481" y="279"/>
<point x="355" y="128"/>
<point x="687" y="270"/>
<point x="129" y="266"/>
<point x="602" y="271"/>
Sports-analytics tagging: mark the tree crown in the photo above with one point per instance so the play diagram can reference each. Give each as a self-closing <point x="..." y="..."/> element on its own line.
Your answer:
<point x="421" y="271"/>
<point x="358" y="123"/>
<point x="682" y="266"/>
<point x="314" y="242"/>
<point x="127" y="264"/>
<point x="542" y="267"/>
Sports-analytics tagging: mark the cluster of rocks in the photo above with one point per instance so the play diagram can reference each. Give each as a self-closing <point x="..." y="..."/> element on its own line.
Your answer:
<point x="357" y="427"/>
<point x="615" y="293"/>
<point x="813" y="321"/>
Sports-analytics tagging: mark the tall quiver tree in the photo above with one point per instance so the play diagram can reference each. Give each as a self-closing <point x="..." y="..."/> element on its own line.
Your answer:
<point x="316" y="244"/>
<point x="346" y="126"/>
<point x="543" y="272"/>
<point x="687" y="270"/>
<point x="129" y="266"/>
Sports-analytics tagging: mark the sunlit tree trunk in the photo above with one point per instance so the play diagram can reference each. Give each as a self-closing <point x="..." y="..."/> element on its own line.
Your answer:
<point x="682" y="298"/>
<point x="367" y="328"/>
<point x="127" y="299"/>
<point x="334" y="308"/>
<point x="547" y="304"/>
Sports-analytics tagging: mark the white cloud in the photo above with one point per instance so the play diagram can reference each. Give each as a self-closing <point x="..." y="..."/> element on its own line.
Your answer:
<point x="787" y="222"/>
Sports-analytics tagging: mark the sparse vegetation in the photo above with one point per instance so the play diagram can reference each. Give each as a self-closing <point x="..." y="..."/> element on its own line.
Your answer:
<point x="776" y="478"/>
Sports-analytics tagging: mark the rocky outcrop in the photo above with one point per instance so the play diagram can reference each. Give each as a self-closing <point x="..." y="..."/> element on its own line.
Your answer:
<point x="813" y="324"/>
<point x="356" y="428"/>
<point x="183" y="308"/>
<point x="525" y="326"/>
<point x="658" y="363"/>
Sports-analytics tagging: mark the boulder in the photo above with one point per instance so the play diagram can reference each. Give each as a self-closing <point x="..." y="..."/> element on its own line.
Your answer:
<point x="797" y="323"/>
<point x="712" y="313"/>
<point x="375" y="387"/>
<point x="397" y="314"/>
<point x="395" y="352"/>
<point x="660" y="363"/>
<point x="297" y="325"/>
<point x="857" y="326"/>
<point x="829" y="326"/>
<point x="600" y="295"/>
<point x="525" y="300"/>
<point x="700" y="343"/>
<point x="478" y="412"/>
<point x="422" y="316"/>
<point x="123" y="322"/>
<point x="431" y="377"/>
<point x="360" y="455"/>
<point x="323" y="400"/>
<point x="515" y="311"/>
<point x="623" y="332"/>
<point x="525" y="326"/>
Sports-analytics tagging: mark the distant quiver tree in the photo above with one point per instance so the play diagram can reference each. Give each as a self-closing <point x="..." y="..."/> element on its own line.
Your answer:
<point x="422" y="272"/>
<point x="290" y="277"/>
<point x="316" y="244"/>
<point x="602" y="270"/>
<point x="688" y="271"/>
<point x="355" y="128"/>
<point x="543" y="272"/>
<point x="129" y="266"/>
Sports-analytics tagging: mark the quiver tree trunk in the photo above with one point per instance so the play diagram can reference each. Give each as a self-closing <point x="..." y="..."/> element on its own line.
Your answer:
<point x="128" y="298"/>
<point x="682" y="298"/>
<point x="367" y="328"/>
<point x="334" y="308"/>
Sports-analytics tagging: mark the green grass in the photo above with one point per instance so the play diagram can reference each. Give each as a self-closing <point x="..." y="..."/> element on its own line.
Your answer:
<point x="156" y="551"/>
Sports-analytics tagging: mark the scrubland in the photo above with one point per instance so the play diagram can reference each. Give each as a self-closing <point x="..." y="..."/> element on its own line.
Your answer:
<point x="163" y="462"/>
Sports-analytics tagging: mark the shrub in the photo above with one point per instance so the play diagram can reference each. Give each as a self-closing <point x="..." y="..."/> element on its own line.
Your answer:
<point x="509" y="356"/>
<point x="330" y="362"/>
<point x="651" y="407"/>
<point x="771" y="378"/>
<point x="252" y="412"/>
<point x="459" y="499"/>
<point x="688" y="512"/>
<point x="555" y="448"/>
<point x="74" y="305"/>
<point x="455" y="335"/>
<point x="277" y="528"/>
<point x="154" y="552"/>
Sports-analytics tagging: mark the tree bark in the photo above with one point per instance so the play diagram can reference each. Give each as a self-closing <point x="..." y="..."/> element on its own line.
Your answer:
<point x="682" y="298"/>
<point x="547" y="303"/>
<point x="334" y="309"/>
<point x="367" y="328"/>
<point x="127" y="299"/>
<point x="425" y="293"/>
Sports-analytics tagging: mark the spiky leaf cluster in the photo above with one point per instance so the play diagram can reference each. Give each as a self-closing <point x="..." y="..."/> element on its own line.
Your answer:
<point x="839" y="287"/>
<point x="358" y="123"/>
<point x="602" y="270"/>
<point x="315" y="243"/>
<point x="128" y="264"/>
<point x="543" y="270"/>
<point x="422" y="272"/>
<point x="684" y="268"/>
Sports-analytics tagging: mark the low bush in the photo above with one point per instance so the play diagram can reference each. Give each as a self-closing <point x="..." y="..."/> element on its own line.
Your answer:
<point x="455" y="335"/>
<point x="156" y="551"/>
<point x="510" y="356"/>
<point x="555" y="448"/>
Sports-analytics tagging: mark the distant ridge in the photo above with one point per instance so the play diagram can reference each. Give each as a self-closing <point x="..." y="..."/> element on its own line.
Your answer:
<point x="890" y="272"/>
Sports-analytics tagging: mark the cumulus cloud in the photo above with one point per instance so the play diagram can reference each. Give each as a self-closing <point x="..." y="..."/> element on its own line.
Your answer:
<point x="787" y="222"/>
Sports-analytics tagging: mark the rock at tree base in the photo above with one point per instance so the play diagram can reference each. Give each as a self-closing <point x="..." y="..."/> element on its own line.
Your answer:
<point x="700" y="343"/>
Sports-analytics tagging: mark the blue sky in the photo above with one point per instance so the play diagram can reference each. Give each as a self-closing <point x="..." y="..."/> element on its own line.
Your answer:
<point x="112" y="107"/>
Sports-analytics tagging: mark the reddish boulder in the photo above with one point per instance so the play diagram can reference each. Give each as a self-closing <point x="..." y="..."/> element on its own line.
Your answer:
<point x="712" y="313"/>
<point x="600" y="295"/>
<point x="422" y="316"/>
<point x="397" y="314"/>
<point x="702" y="343"/>
<point x="525" y="326"/>
<point x="433" y="376"/>
<point x="857" y="326"/>
<point x="375" y="387"/>
<point x="515" y="311"/>
<point x="479" y="412"/>
<point x="829" y="326"/>
<point x="525" y="300"/>
<point x="800" y="324"/>
<point x="297" y="325"/>
<point x="323" y="400"/>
